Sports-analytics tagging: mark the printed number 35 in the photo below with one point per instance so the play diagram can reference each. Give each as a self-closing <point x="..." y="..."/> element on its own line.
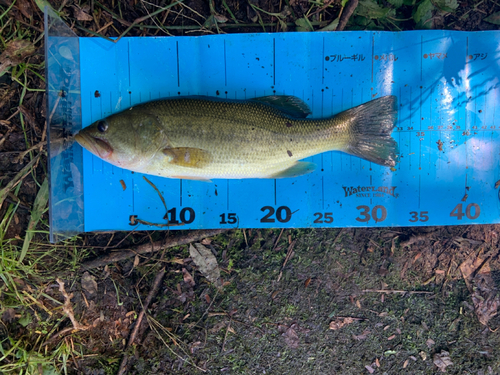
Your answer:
<point x="422" y="216"/>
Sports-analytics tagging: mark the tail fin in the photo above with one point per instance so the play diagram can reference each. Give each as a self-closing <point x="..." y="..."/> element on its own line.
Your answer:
<point x="371" y="128"/>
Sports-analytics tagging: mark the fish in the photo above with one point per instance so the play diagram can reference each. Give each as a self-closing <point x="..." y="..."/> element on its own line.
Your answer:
<point x="204" y="138"/>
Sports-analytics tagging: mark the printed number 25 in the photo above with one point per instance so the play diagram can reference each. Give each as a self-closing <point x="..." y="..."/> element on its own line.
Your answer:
<point x="424" y="216"/>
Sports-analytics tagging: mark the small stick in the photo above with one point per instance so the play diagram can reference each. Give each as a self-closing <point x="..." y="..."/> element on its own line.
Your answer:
<point x="278" y="240"/>
<point x="288" y="256"/>
<point x="123" y="254"/>
<point x="68" y="309"/>
<point x="346" y="14"/>
<point x="152" y="293"/>
<point x="388" y="291"/>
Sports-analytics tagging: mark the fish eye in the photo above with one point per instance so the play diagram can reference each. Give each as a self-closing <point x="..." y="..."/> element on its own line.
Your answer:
<point x="102" y="126"/>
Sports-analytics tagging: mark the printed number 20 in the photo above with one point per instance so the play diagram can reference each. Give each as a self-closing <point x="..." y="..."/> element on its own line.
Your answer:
<point x="378" y="213"/>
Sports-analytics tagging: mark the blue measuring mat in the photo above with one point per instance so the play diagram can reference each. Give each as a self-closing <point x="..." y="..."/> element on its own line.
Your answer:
<point x="446" y="82"/>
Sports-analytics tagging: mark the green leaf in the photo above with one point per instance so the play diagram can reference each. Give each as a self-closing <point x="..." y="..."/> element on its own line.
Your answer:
<point x="423" y="14"/>
<point x="446" y="5"/>
<point x="303" y="24"/>
<point x="331" y="26"/>
<point x="370" y="9"/>
<point x="493" y="18"/>
<point x="396" y="3"/>
<point x="409" y="2"/>
<point x="343" y="3"/>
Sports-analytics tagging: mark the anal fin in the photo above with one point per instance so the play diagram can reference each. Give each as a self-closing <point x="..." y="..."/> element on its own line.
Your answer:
<point x="300" y="168"/>
<point x="194" y="178"/>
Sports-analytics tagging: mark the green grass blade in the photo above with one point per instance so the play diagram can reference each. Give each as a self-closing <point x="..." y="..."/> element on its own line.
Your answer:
<point x="38" y="209"/>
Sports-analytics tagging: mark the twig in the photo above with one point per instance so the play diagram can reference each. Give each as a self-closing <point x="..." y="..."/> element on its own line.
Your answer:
<point x="225" y="336"/>
<point x="346" y="14"/>
<point x="278" y="240"/>
<point x="68" y="309"/>
<point x="152" y="293"/>
<point x="389" y="291"/>
<point x="123" y="254"/>
<point x="22" y="154"/>
<point x="18" y="177"/>
<point x="288" y="256"/>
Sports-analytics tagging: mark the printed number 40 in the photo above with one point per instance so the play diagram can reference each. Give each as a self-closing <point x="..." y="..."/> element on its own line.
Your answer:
<point x="459" y="214"/>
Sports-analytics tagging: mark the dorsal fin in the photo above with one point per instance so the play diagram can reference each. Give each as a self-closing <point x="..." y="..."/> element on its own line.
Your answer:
<point x="291" y="105"/>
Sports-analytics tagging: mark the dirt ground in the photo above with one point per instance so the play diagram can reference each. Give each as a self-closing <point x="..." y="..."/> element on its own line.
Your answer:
<point x="329" y="301"/>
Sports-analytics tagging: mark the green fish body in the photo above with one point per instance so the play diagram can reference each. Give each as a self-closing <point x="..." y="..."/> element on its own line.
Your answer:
<point x="205" y="138"/>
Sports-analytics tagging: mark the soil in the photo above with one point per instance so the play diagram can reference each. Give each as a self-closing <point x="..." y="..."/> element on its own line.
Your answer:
<point x="336" y="301"/>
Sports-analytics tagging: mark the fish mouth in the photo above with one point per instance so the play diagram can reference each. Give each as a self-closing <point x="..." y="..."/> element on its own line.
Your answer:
<point x="95" y="145"/>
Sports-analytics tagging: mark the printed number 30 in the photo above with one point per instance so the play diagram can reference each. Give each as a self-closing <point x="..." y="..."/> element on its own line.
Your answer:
<point x="424" y="216"/>
<point x="378" y="213"/>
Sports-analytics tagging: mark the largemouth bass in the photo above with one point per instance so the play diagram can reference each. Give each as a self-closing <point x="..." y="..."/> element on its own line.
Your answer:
<point x="204" y="138"/>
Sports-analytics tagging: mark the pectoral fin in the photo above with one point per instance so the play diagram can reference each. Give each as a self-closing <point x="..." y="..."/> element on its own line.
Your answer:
<point x="188" y="157"/>
<point x="298" y="169"/>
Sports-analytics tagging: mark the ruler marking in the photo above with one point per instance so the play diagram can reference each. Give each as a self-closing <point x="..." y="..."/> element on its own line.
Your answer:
<point x="180" y="192"/>
<point x="225" y="65"/>
<point x="128" y="60"/>
<point x="409" y="143"/>
<point x="342" y="108"/>
<point x="323" y="63"/>
<point x="420" y="127"/>
<point x="373" y="53"/>
<point x="133" y="195"/>
<point x="322" y="192"/>
<point x="421" y="57"/>
<point x="227" y="194"/>
<point x="274" y="62"/>
<point x="419" y="190"/>
<point x="178" y="75"/>
<point x="275" y="192"/>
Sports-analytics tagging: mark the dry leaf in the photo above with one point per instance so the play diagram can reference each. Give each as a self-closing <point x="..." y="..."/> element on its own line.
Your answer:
<point x="442" y="360"/>
<point x="88" y="283"/>
<point x="25" y="7"/>
<point x="363" y="336"/>
<point x="216" y="328"/>
<point x="307" y="282"/>
<point x="291" y="338"/>
<point x="482" y="287"/>
<point x="80" y="14"/>
<point x="8" y="315"/>
<point x="206" y="241"/>
<point x="15" y="53"/>
<point x="188" y="279"/>
<point x="340" y="322"/>
<point x="430" y="342"/>
<point x="370" y="369"/>
<point x="206" y="263"/>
